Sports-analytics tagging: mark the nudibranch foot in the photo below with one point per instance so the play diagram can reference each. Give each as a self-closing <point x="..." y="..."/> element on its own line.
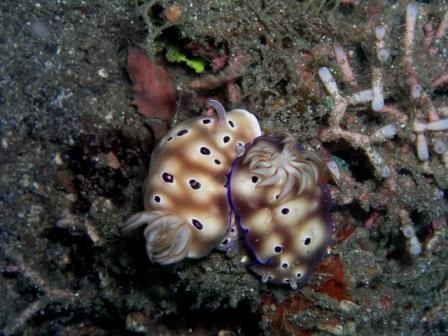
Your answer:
<point x="239" y="149"/>
<point x="232" y="235"/>
<point x="294" y="276"/>
<point x="168" y="237"/>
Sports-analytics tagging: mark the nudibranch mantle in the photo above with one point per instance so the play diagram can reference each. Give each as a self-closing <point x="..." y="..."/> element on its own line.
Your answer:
<point x="279" y="194"/>
<point x="187" y="212"/>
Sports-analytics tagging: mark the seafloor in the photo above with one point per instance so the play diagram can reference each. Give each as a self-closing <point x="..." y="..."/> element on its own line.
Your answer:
<point x="74" y="153"/>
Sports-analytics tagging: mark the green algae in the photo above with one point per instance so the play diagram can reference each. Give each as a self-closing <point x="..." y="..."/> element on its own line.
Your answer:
<point x="175" y="55"/>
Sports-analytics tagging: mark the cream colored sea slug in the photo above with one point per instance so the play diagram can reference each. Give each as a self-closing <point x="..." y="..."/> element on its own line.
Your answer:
<point x="279" y="194"/>
<point x="187" y="212"/>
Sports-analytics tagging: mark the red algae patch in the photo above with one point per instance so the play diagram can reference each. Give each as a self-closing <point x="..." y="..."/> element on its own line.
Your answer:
<point x="154" y="92"/>
<point x="334" y="286"/>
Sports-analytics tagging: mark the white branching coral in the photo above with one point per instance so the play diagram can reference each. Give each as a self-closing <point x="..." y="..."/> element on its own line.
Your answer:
<point x="422" y="145"/>
<point x="290" y="167"/>
<point x="424" y="107"/>
<point x="428" y="125"/>
<point x="422" y="116"/>
<point x="357" y="140"/>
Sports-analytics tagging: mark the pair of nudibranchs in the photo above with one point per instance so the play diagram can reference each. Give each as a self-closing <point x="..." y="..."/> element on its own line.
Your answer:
<point x="211" y="173"/>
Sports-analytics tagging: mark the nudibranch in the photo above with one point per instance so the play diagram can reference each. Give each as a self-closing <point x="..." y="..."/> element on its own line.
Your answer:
<point x="279" y="194"/>
<point x="187" y="212"/>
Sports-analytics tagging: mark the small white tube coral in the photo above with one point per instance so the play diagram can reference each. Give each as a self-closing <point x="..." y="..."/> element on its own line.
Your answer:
<point x="329" y="82"/>
<point x="411" y="20"/>
<point x="422" y="147"/>
<point x="381" y="52"/>
<point x="384" y="133"/>
<point x="383" y="55"/>
<point x="408" y="231"/>
<point x="380" y="31"/>
<point x="416" y="91"/>
<point x="439" y="147"/>
<point x="439" y="125"/>
<point x="414" y="246"/>
<point x="388" y="131"/>
<point x="344" y="65"/>
<point x="361" y="97"/>
<point x="377" y="89"/>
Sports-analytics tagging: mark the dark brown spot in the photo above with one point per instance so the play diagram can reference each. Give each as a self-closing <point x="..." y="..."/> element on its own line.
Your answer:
<point x="197" y="224"/>
<point x="231" y="123"/>
<point x="168" y="177"/>
<point x="226" y="139"/>
<point x="285" y="211"/>
<point x="307" y="241"/>
<point x="225" y="241"/>
<point x="170" y="138"/>
<point x="194" y="184"/>
<point x="205" y="151"/>
<point x="254" y="179"/>
<point x="278" y="249"/>
<point x="182" y="132"/>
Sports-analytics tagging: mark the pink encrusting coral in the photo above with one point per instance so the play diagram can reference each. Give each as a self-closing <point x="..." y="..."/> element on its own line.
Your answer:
<point x="154" y="92"/>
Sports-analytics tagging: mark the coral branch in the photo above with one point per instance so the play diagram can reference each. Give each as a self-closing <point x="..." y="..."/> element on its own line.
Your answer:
<point x="50" y="295"/>
<point x="443" y="27"/>
<point x="342" y="59"/>
<point x="439" y="81"/>
<point x="407" y="228"/>
<point x="334" y="132"/>
<point x="229" y="74"/>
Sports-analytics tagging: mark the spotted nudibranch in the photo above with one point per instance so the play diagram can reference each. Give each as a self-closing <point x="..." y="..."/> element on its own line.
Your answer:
<point x="210" y="173"/>
<point x="279" y="194"/>
<point x="187" y="212"/>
